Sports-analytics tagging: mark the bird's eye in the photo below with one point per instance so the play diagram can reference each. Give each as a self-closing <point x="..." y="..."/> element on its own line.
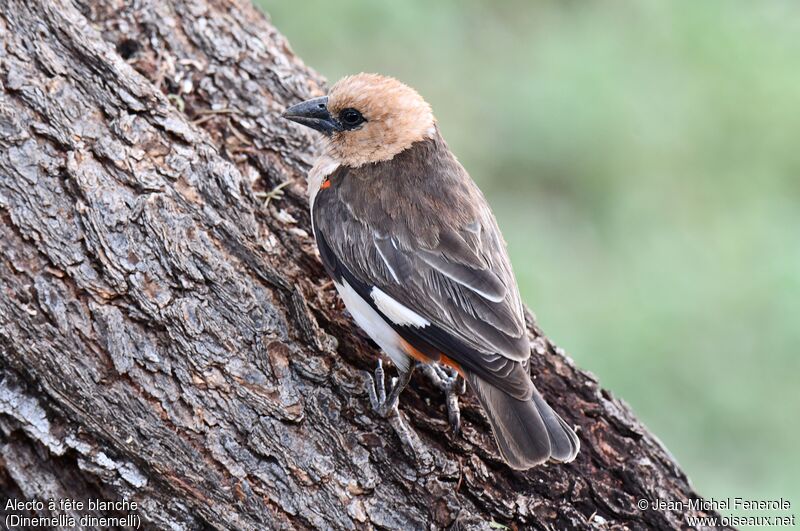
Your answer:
<point x="351" y="118"/>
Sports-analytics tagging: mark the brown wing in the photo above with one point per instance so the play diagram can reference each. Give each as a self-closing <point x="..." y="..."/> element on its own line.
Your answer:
<point x="417" y="229"/>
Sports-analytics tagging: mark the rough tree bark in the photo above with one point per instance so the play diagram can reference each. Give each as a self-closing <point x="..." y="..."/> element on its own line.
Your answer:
<point x="167" y="335"/>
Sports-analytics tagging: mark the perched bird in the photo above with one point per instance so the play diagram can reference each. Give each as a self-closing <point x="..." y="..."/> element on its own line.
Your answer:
<point x="418" y="259"/>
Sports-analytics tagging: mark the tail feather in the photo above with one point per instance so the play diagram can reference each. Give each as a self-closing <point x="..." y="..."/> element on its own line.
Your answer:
<point x="564" y="443"/>
<point x="528" y="432"/>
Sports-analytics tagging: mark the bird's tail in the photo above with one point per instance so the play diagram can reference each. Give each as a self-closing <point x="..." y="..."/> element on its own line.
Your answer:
<point x="528" y="432"/>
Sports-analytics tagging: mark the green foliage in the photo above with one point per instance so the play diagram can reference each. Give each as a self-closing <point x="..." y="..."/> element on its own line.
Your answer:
<point x="642" y="160"/>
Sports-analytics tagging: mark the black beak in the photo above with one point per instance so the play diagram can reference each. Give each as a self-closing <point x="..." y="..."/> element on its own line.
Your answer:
<point x="314" y="114"/>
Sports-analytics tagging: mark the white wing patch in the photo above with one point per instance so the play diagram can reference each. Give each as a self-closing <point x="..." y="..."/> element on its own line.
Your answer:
<point x="374" y="325"/>
<point x="399" y="314"/>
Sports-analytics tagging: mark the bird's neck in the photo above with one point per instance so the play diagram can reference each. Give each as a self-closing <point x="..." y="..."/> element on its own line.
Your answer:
<point x="355" y="150"/>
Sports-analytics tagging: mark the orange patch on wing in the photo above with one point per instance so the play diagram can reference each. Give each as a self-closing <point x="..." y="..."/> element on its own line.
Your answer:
<point x="424" y="358"/>
<point x="450" y="363"/>
<point x="414" y="353"/>
<point x="325" y="184"/>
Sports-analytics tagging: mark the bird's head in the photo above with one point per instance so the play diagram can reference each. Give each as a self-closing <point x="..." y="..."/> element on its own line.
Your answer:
<point x="367" y="118"/>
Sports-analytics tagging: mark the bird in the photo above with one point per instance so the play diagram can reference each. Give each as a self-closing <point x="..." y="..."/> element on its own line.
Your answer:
<point x="419" y="261"/>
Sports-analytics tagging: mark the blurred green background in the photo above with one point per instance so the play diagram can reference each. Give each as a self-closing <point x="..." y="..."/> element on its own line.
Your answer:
<point x="642" y="159"/>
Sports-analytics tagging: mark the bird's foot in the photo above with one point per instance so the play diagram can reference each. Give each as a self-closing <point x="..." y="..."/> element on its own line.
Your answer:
<point x="452" y="385"/>
<point x="383" y="403"/>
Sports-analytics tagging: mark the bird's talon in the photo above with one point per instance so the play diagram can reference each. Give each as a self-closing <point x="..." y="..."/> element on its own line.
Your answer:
<point x="385" y="403"/>
<point x="369" y="386"/>
<point x="452" y="385"/>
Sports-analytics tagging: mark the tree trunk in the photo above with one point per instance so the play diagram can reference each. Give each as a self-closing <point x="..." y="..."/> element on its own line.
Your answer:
<point x="168" y="336"/>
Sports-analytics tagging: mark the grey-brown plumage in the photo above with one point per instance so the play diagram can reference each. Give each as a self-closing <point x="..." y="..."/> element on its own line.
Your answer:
<point x="411" y="243"/>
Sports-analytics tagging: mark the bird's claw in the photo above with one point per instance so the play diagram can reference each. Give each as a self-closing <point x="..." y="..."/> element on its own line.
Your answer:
<point x="452" y="385"/>
<point x="383" y="403"/>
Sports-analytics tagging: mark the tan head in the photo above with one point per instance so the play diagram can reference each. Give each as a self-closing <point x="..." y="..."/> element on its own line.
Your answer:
<point x="367" y="118"/>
